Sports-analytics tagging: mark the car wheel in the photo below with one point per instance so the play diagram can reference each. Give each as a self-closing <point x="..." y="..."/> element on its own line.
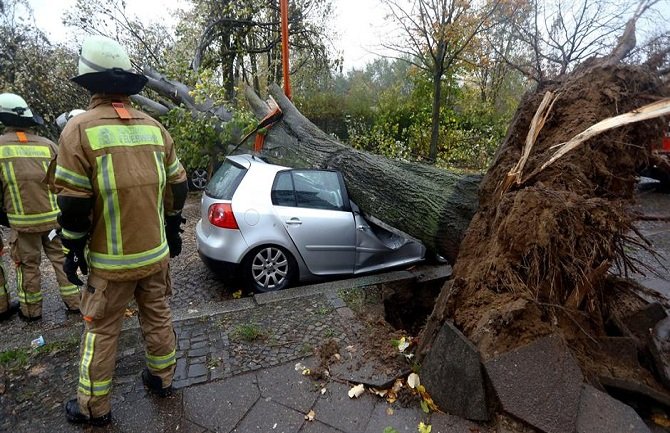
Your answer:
<point x="199" y="178"/>
<point x="269" y="268"/>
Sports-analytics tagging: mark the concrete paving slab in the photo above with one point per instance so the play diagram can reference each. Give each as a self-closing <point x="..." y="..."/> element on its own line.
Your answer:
<point x="540" y="384"/>
<point x="635" y="387"/>
<point x="446" y="423"/>
<point x="402" y="419"/>
<point x="356" y="367"/>
<point x="219" y="406"/>
<point x="600" y="413"/>
<point x="336" y="409"/>
<point x="318" y="427"/>
<point x="285" y="385"/>
<point x="452" y="373"/>
<point x="149" y="414"/>
<point x="268" y="416"/>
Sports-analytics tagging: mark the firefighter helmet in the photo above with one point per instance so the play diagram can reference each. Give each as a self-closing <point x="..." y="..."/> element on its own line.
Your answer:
<point x="62" y="120"/>
<point x="14" y="111"/>
<point x="104" y="67"/>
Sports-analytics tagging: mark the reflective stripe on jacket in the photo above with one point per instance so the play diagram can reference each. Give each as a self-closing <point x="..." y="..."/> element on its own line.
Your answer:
<point x="125" y="165"/>
<point x="24" y="159"/>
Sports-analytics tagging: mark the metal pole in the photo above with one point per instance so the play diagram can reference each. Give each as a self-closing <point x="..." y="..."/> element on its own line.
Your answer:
<point x="284" y="47"/>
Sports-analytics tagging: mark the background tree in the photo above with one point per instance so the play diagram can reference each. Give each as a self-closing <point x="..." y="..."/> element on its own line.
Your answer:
<point x="435" y="34"/>
<point x="242" y="41"/>
<point x="36" y="69"/>
<point x="557" y="36"/>
<point x="147" y="41"/>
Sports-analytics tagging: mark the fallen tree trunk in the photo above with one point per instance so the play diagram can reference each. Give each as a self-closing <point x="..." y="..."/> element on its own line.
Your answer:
<point x="428" y="203"/>
<point x="432" y="205"/>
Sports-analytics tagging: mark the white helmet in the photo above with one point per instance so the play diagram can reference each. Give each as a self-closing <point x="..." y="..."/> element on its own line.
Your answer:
<point x="62" y="120"/>
<point x="14" y="111"/>
<point x="104" y="67"/>
<point x="99" y="54"/>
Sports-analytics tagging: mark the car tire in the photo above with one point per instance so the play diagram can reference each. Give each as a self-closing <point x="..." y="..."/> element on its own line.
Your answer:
<point x="269" y="268"/>
<point x="198" y="178"/>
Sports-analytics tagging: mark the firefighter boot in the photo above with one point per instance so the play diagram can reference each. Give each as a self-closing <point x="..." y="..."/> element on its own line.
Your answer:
<point x="27" y="318"/>
<point x="71" y="303"/>
<point x="155" y="385"/>
<point x="75" y="416"/>
<point x="9" y="312"/>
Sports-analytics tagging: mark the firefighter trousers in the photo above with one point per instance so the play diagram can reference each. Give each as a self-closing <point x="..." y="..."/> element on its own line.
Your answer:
<point x="4" y="291"/>
<point x="26" y="251"/>
<point x="103" y="305"/>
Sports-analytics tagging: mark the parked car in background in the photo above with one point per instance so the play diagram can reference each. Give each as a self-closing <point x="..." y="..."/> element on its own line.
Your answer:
<point x="272" y="226"/>
<point x="198" y="178"/>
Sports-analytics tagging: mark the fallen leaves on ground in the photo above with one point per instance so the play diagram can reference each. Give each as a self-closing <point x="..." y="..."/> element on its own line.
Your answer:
<point x="130" y="312"/>
<point x="356" y="391"/>
<point x="302" y="369"/>
<point x="413" y="380"/>
<point x="425" y="428"/>
<point x="310" y="415"/>
<point x="237" y="295"/>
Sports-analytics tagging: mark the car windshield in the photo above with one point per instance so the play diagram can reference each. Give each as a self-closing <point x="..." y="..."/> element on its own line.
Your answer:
<point x="225" y="181"/>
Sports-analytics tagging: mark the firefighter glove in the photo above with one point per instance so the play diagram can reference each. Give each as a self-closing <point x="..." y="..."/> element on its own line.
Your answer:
<point x="75" y="258"/>
<point x="173" y="233"/>
<point x="4" y="220"/>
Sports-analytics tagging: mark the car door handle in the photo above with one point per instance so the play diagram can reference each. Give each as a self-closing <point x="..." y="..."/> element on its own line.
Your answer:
<point x="294" y="222"/>
<point x="361" y="228"/>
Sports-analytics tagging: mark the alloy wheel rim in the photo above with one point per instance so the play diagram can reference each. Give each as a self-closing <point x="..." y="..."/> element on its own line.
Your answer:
<point x="199" y="178"/>
<point x="269" y="268"/>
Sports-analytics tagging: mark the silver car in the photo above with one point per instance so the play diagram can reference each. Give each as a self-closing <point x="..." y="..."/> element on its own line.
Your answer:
<point x="273" y="226"/>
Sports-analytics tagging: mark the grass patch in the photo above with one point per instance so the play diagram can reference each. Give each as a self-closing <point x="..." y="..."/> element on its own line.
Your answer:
<point x="59" y="346"/>
<point x="14" y="358"/>
<point x="248" y="332"/>
<point x="214" y="363"/>
<point x="354" y="298"/>
<point x="323" y="310"/>
<point x="306" y="349"/>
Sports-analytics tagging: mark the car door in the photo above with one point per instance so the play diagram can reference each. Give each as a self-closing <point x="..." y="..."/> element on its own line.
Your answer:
<point x="314" y="208"/>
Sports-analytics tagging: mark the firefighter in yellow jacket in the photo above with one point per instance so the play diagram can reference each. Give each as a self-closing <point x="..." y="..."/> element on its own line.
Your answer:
<point x="114" y="165"/>
<point x="29" y="207"/>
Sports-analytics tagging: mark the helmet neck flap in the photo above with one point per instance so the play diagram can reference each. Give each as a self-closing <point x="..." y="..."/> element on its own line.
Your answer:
<point x="112" y="81"/>
<point x="14" y="111"/>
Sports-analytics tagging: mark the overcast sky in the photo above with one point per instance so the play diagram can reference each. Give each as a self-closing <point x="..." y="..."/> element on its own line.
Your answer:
<point x="359" y="23"/>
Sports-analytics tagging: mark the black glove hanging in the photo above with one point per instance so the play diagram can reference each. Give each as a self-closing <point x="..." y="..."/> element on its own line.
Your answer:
<point x="75" y="259"/>
<point x="173" y="233"/>
<point x="4" y="219"/>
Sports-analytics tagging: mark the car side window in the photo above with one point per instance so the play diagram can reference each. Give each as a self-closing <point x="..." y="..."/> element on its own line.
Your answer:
<point x="282" y="190"/>
<point x="317" y="189"/>
<point x="314" y="189"/>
